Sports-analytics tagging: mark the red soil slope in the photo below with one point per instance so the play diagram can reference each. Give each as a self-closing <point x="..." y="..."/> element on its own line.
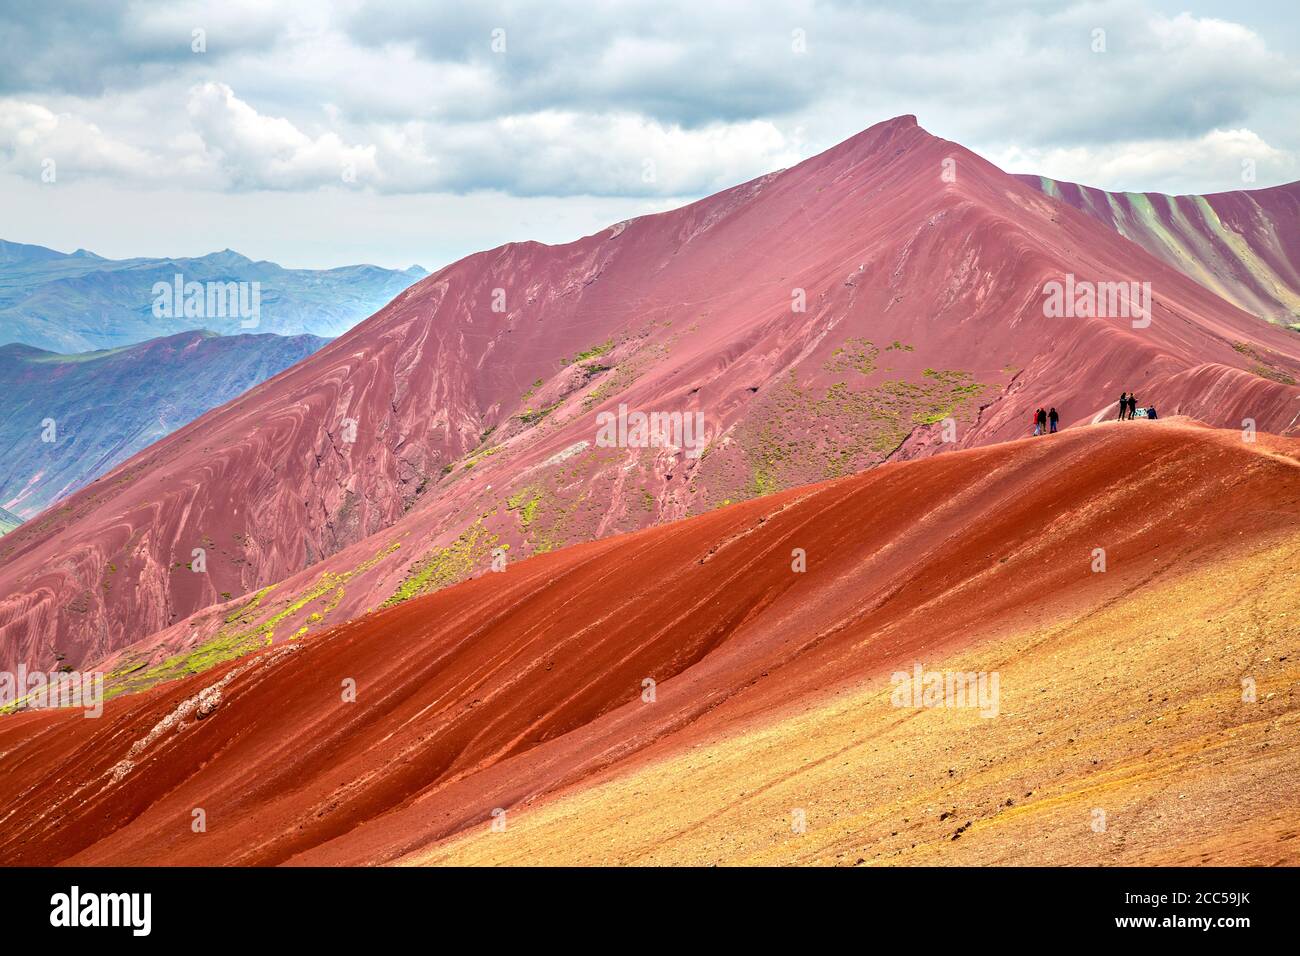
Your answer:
<point x="513" y="685"/>
<point x="1242" y="245"/>
<point x="476" y="428"/>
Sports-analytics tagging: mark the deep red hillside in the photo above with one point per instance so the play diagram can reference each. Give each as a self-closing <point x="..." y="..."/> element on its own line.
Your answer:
<point x="475" y="429"/>
<point x="511" y="687"/>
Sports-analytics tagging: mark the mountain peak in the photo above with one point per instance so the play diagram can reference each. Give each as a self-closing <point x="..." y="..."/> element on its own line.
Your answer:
<point x="227" y="256"/>
<point x="901" y="121"/>
<point x="922" y="300"/>
<point x="899" y="131"/>
<point x="23" y="252"/>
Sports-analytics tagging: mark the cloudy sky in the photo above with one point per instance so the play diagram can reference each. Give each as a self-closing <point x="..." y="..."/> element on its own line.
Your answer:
<point x="319" y="134"/>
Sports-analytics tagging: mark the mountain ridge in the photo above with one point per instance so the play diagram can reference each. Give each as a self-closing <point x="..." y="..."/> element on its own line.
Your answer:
<point x="79" y="302"/>
<point x="73" y="417"/>
<point x="597" y="663"/>
<point x="1241" y="244"/>
<point x="473" y="429"/>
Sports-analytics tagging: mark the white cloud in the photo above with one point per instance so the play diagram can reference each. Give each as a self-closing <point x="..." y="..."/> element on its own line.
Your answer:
<point x="223" y="142"/>
<point x="32" y="135"/>
<point x="264" y="152"/>
<point x="1209" y="163"/>
<point x="568" y="153"/>
<point x="411" y="97"/>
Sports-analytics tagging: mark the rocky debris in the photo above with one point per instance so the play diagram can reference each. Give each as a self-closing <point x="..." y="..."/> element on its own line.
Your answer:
<point x="209" y="700"/>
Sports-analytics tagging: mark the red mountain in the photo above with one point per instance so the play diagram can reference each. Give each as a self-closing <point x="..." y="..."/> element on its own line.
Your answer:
<point x="1242" y="245"/>
<point x="463" y="416"/>
<point x="527" y="690"/>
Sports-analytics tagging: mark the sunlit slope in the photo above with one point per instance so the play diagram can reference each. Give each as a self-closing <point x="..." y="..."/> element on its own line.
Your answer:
<point x="501" y="691"/>
<point x="1122" y="738"/>
<point x="821" y="319"/>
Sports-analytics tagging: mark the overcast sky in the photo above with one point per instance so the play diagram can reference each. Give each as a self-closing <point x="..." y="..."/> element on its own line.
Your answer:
<point x="319" y="134"/>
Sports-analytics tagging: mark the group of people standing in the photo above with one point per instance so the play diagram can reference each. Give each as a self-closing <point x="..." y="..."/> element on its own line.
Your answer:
<point x="1045" y="420"/>
<point x="1128" y="407"/>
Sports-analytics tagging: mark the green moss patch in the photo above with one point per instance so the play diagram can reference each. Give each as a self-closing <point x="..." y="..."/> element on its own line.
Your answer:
<point x="447" y="565"/>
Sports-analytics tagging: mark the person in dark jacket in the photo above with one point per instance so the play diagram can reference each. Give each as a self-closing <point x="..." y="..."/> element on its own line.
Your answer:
<point x="1123" y="404"/>
<point x="1042" y="421"/>
<point x="1151" y="411"/>
<point x="1132" y="406"/>
<point x="1053" y="419"/>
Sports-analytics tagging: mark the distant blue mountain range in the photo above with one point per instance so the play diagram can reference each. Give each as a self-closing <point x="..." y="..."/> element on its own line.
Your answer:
<point x="75" y="302"/>
<point x="67" y="419"/>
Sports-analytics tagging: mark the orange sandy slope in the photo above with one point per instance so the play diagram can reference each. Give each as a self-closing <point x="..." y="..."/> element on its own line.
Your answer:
<point x="1120" y="691"/>
<point x="1118" y="740"/>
